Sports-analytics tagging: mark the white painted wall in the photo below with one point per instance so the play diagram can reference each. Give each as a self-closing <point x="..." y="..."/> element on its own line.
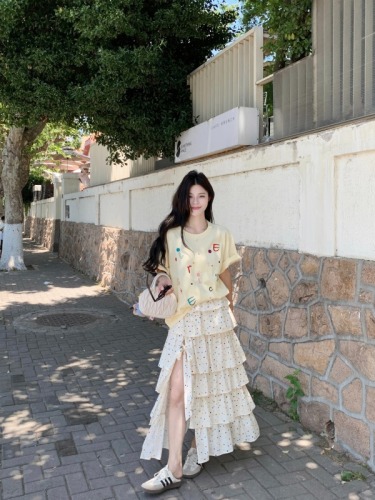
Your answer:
<point x="44" y="209"/>
<point x="355" y="211"/>
<point x="103" y="172"/>
<point x="315" y="194"/>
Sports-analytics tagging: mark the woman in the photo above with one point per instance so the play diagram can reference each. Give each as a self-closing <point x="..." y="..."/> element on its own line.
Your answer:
<point x="202" y="384"/>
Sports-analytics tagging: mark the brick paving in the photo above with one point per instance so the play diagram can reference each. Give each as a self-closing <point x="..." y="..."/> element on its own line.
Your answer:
<point x="75" y="404"/>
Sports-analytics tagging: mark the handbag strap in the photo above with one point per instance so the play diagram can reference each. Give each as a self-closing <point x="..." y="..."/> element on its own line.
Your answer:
<point x="158" y="275"/>
<point x="147" y="284"/>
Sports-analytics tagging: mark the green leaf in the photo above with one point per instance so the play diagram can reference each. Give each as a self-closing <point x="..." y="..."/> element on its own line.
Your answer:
<point x="288" y="22"/>
<point x="122" y="76"/>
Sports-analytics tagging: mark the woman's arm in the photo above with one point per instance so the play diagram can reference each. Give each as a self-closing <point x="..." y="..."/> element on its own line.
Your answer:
<point x="226" y="278"/>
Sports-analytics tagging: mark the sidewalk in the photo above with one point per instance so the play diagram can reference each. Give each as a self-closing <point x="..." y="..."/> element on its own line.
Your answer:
<point x="77" y="378"/>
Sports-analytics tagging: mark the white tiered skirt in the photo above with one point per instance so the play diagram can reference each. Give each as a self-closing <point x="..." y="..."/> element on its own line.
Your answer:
<point x="218" y="405"/>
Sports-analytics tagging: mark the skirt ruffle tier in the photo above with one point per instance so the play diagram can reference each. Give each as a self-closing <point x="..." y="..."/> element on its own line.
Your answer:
<point x="218" y="405"/>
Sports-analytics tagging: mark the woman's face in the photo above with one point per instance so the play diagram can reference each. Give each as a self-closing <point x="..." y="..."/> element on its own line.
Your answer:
<point x="198" y="199"/>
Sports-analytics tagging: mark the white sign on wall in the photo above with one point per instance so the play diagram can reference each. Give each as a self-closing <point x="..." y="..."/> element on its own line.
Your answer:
<point x="234" y="128"/>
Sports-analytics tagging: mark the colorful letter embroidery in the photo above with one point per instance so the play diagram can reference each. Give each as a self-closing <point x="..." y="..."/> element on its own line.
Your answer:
<point x="191" y="301"/>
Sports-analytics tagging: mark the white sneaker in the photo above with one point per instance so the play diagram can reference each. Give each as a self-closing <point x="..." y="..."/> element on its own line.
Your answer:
<point x="191" y="466"/>
<point x="162" y="480"/>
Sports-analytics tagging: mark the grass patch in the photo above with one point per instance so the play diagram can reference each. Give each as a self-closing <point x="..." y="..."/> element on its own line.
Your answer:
<point x="348" y="475"/>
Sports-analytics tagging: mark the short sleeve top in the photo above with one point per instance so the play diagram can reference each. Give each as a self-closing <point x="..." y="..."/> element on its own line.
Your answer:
<point x="195" y="269"/>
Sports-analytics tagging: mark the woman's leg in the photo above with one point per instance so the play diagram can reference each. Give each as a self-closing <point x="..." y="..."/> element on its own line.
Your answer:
<point x="176" y="418"/>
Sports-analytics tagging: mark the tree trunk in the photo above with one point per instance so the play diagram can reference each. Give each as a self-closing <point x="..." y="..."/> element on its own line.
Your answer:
<point x="15" y="172"/>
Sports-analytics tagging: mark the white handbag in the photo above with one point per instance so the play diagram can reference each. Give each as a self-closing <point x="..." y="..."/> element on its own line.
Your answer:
<point x="157" y="305"/>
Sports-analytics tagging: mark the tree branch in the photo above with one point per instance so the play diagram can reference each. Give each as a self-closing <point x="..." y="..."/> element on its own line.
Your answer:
<point x="31" y="133"/>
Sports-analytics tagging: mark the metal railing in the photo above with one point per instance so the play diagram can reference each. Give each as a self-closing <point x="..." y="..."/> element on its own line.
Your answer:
<point x="336" y="83"/>
<point x="228" y="80"/>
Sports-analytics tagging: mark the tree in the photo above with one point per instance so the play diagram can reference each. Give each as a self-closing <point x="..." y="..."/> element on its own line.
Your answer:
<point x="117" y="68"/>
<point x="47" y="146"/>
<point x="53" y="141"/>
<point x="36" y="177"/>
<point x="288" y="22"/>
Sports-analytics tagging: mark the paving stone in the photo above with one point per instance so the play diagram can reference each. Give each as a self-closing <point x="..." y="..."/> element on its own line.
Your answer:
<point x="205" y="481"/>
<point x="256" y="490"/>
<point x="11" y="472"/>
<point x="227" y="491"/>
<point x="125" y="491"/>
<point x="305" y="497"/>
<point x="75" y="459"/>
<point x="17" y="380"/>
<point x="293" y="477"/>
<point x="233" y="477"/>
<point x="59" y="493"/>
<point x="33" y="496"/>
<point x="76" y="483"/>
<point x="287" y="491"/>
<point x="262" y="475"/>
<point x="11" y="487"/>
<point x="93" y="469"/>
<point x="234" y="466"/>
<point x="350" y="487"/>
<point x="278" y="452"/>
<point x="319" y="490"/>
<point x="101" y="494"/>
<point x="66" y="448"/>
<point x="62" y="470"/>
<point x="298" y="464"/>
<point x="97" y="446"/>
<point x="367" y="494"/>
<point x="108" y="481"/>
<point x="77" y="417"/>
<point x="324" y="477"/>
<point x="95" y="428"/>
<point x="32" y="473"/>
<point x="11" y="450"/>
<point x="128" y="466"/>
<point x="23" y="460"/>
<point x="107" y="457"/>
<point x="189" y="491"/>
<point x="49" y="459"/>
<point x="44" y="485"/>
<point x="122" y="448"/>
<point x="270" y="464"/>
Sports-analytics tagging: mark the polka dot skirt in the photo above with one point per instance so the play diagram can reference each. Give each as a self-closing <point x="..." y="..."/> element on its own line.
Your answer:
<point x="217" y="403"/>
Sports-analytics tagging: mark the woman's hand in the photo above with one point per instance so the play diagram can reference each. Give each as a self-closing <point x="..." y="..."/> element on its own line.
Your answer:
<point x="137" y="311"/>
<point x="163" y="282"/>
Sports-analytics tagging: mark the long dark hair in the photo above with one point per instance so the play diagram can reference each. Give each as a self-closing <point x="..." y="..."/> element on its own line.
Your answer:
<point x="178" y="217"/>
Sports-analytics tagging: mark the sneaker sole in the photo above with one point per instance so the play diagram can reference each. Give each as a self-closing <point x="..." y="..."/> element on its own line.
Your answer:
<point x="191" y="476"/>
<point x="158" y="492"/>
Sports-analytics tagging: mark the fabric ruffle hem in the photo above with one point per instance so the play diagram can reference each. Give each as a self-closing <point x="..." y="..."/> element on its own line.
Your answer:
<point x="218" y="405"/>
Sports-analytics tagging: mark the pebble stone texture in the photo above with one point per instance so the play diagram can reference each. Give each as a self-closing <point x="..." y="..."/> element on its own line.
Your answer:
<point x="75" y="404"/>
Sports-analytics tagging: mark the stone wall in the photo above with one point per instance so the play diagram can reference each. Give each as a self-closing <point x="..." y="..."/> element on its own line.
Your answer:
<point x="294" y="311"/>
<point x="112" y="257"/>
<point x="298" y="311"/>
<point x="45" y="232"/>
